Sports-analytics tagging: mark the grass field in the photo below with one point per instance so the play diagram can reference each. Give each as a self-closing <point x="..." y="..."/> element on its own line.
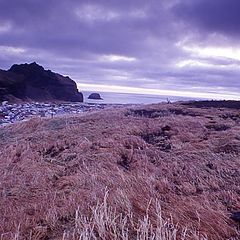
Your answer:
<point x="164" y="172"/>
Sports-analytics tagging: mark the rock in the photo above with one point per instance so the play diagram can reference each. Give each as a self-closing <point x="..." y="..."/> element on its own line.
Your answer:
<point x="95" y="96"/>
<point x="31" y="82"/>
<point x="4" y="103"/>
<point x="236" y="216"/>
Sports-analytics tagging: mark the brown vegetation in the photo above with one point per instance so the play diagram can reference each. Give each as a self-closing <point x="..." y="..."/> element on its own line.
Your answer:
<point x="155" y="172"/>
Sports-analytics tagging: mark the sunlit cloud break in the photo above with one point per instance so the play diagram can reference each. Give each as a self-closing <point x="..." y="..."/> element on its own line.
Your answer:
<point x="163" y="92"/>
<point x="7" y="50"/>
<point x="227" y="52"/>
<point x="116" y="58"/>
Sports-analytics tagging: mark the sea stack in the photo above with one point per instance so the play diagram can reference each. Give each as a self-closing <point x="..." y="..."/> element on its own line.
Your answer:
<point x="95" y="96"/>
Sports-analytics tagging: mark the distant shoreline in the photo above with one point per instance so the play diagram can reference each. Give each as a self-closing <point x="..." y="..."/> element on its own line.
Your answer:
<point x="16" y="112"/>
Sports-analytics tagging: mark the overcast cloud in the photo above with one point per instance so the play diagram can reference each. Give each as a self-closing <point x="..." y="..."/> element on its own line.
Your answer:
<point x="184" y="45"/>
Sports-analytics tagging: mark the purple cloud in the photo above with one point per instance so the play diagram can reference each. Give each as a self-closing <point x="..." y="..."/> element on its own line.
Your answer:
<point x="137" y="43"/>
<point x="211" y="16"/>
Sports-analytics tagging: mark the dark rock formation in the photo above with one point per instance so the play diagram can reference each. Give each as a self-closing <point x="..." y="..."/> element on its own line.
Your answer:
<point x="95" y="96"/>
<point x="31" y="82"/>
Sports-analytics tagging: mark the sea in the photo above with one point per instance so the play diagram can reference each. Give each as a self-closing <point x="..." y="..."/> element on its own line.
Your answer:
<point x="133" y="98"/>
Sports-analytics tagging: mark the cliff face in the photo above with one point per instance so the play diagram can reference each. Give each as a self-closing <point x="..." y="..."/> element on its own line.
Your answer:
<point x="31" y="82"/>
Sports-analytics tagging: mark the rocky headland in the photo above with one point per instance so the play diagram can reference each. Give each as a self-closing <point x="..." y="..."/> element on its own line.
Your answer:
<point x="31" y="82"/>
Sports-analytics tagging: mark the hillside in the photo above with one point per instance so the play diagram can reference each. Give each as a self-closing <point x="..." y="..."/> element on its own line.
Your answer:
<point x="31" y="82"/>
<point x="168" y="171"/>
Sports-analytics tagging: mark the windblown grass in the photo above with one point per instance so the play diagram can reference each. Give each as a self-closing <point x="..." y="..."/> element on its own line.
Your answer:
<point x="105" y="222"/>
<point x="169" y="171"/>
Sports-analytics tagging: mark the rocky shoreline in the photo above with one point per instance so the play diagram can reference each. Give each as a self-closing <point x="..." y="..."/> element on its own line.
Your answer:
<point x="11" y="113"/>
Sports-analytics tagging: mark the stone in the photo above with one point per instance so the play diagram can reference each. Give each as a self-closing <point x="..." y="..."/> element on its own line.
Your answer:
<point x="4" y="103"/>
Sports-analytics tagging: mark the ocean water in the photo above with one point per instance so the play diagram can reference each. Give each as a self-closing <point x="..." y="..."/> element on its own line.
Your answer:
<point x="130" y="98"/>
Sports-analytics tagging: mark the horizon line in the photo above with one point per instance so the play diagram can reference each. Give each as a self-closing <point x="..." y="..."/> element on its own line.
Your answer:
<point x="158" y="92"/>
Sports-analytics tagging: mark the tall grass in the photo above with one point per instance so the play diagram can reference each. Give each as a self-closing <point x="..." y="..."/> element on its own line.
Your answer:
<point x="54" y="172"/>
<point x="104" y="222"/>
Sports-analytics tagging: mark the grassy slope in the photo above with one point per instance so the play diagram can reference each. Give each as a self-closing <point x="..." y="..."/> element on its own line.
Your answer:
<point x="185" y="159"/>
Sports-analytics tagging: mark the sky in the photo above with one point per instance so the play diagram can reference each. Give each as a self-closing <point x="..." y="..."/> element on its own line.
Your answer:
<point x="175" y="47"/>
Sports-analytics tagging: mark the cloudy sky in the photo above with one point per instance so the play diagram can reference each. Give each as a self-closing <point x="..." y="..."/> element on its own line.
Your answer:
<point x="176" y="47"/>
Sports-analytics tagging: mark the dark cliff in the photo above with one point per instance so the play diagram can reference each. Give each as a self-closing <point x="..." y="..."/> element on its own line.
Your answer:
<point x="31" y="82"/>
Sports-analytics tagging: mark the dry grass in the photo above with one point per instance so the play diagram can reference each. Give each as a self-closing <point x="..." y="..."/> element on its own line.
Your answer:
<point x="106" y="223"/>
<point x="54" y="175"/>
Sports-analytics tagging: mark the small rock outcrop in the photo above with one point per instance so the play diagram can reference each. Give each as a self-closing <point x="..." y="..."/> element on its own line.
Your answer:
<point x="95" y="96"/>
<point x="31" y="82"/>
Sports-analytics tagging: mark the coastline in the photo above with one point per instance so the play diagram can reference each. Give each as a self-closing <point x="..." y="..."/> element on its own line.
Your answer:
<point x="133" y="98"/>
<point x="11" y="113"/>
